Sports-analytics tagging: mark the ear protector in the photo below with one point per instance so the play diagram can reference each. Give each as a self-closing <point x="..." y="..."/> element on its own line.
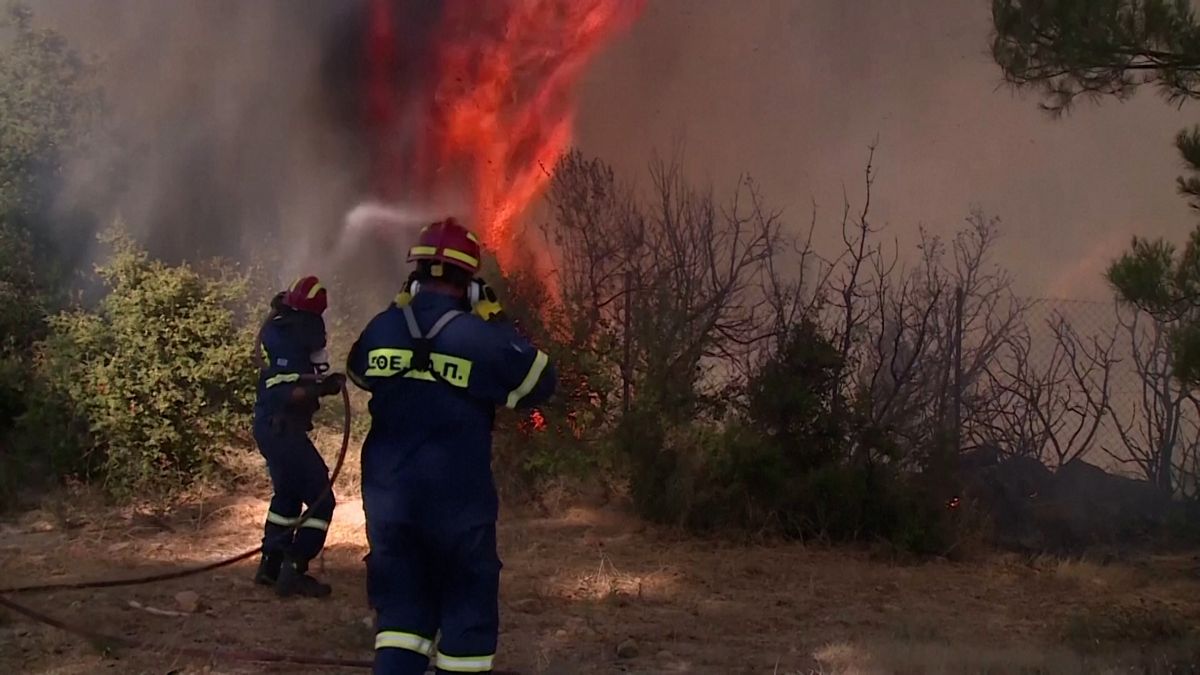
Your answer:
<point x="474" y="292"/>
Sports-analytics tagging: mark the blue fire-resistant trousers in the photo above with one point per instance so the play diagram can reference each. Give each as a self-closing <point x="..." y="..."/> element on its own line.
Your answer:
<point x="299" y="477"/>
<point x="420" y="581"/>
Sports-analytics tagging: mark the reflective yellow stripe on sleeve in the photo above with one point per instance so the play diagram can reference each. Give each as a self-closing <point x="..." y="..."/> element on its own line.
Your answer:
<point x="465" y="664"/>
<point x="282" y="378"/>
<point x="530" y="381"/>
<point x="394" y="639"/>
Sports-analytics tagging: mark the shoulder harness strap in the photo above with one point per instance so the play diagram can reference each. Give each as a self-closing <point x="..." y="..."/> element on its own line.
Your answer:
<point x="423" y="344"/>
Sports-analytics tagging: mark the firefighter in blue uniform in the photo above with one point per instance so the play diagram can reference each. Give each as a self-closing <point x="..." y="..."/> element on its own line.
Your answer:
<point x="438" y="362"/>
<point x="293" y="377"/>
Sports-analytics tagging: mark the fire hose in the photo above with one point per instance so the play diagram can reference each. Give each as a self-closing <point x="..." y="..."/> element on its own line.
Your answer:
<point x="220" y="654"/>
<point x="191" y="571"/>
<point x="217" y="654"/>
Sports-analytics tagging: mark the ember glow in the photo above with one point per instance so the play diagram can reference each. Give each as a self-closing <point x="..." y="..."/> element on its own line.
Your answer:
<point x="535" y="422"/>
<point x="496" y="109"/>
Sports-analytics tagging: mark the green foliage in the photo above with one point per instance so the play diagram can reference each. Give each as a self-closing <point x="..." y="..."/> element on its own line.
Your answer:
<point x="22" y="302"/>
<point x="792" y="398"/>
<point x="22" y="305"/>
<point x="47" y="104"/>
<point x="1156" y="278"/>
<point x="1188" y="143"/>
<point x="1144" y="275"/>
<point x="1069" y="48"/>
<point x="149" y="386"/>
<point x="1066" y="48"/>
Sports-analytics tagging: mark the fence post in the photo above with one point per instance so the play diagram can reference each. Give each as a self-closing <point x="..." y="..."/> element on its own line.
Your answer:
<point x="957" y="389"/>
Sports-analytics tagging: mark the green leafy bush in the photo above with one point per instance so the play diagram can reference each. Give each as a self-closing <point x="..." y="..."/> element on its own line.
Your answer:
<point x="144" y="391"/>
<point x="22" y="305"/>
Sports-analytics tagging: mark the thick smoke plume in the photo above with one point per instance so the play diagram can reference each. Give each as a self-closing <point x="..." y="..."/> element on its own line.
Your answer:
<point x="320" y="135"/>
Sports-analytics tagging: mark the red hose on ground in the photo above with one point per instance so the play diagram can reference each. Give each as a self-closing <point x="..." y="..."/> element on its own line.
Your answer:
<point x="191" y="571"/>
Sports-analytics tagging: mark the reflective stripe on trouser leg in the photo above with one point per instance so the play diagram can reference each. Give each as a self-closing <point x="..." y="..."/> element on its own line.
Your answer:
<point x="470" y="613"/>
<point x="277" y="530"/>
<point x="276" y="519"/>
<point x="316" y="524"/>
<point x="465" y="664"/>
<point x="312" y="481"/>
<point x="394" y="639"/>
<point x="402" y="589"/>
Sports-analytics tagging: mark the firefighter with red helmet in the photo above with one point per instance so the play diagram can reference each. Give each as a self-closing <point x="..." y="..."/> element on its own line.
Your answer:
<point x="438" y="362"/>
<point x="294" y="376"/>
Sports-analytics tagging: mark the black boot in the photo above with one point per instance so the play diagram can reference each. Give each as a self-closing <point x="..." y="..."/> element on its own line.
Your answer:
<point x="268" y="569"/>
<point x="294" y="580"/>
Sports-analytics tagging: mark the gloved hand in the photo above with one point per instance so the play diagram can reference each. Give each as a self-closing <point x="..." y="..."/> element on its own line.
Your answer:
<point x="331" y="384"/>
<point x="487" y="307"/>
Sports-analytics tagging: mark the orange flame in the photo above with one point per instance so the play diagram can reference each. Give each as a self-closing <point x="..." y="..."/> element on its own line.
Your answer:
<point x="499" y="108"/>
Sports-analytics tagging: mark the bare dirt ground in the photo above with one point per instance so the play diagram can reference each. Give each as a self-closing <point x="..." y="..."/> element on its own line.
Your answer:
<point x="594" y="590"/>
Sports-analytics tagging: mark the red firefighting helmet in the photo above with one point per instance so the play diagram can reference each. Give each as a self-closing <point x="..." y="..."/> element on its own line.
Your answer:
<point x="307" y="295"/>
<point x="447" y="242"/>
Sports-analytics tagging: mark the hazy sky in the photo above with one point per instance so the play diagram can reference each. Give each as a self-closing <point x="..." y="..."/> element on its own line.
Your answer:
<point x="793" y="91"/>
<point x="222" y="107"/>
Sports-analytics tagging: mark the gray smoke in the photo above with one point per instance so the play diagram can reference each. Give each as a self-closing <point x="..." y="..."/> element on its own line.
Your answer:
<point x="232" y="129"/>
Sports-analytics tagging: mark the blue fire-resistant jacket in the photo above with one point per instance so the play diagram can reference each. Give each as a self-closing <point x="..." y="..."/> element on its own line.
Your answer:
<point x="427" y="459"/>
<point x="293" y="344"/>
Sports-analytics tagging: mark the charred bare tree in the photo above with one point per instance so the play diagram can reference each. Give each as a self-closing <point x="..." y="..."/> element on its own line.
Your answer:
<point x="856" y="287"/>
<point x="795" y="288"/>
<point x="1053" y="410"/>
<point x="690" y="271"/>
<point x="1155" y="434"/>
<point x="901" y="331"/>
<point x="699" y="307"/>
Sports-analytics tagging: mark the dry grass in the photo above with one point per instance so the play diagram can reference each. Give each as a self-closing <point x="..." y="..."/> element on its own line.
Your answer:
<point x="596" y="591"/>
<point x="1091" y="575"/>
<point x="1144" y="623"/>
<point x="943" y="658"/>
